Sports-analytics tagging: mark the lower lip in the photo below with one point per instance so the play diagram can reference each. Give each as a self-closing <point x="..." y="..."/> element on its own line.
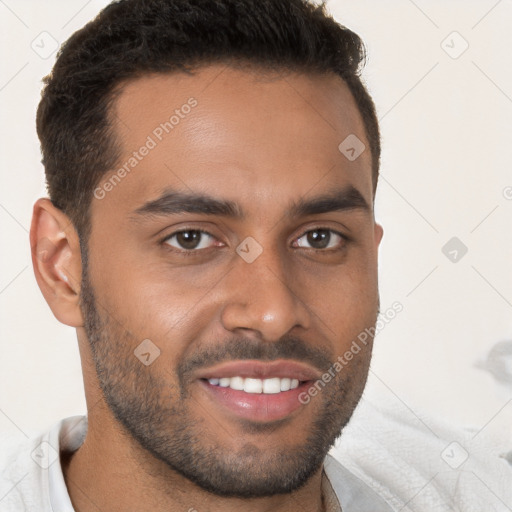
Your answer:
<point x="259" y="407"/>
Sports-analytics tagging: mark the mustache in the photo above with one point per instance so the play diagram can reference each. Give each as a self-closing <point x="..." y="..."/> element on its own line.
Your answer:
<point x="241" y="348"/>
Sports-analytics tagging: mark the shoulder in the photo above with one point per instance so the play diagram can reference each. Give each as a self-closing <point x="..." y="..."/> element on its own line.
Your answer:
<point x="28" y="463"/>
<point x="353" y="493"/>
<point x="21" y="477"/>
<point x="422" y="463"/>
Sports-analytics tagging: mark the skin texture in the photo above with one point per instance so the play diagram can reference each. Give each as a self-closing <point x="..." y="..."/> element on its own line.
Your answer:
<point x="156" y="439"/>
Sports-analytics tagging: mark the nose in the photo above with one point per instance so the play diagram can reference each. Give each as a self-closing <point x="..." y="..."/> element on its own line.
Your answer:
<point x="260" y="299"/>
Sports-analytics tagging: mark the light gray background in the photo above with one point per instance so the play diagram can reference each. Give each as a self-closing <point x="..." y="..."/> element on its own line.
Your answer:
<point x="446" y="172"/>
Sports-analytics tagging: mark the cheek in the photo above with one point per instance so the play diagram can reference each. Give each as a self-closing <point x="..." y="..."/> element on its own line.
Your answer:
<point x="352" y="281"/>
<point x="344" y="300"/>
<point x="152" y="301"/>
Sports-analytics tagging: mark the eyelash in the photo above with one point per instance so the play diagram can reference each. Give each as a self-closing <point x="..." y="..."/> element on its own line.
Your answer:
<point x="195" y="252"/>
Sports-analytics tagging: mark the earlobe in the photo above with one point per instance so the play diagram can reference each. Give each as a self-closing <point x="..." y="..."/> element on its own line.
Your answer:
<point x="379" y="231"/>
<point x="56" y="260"/>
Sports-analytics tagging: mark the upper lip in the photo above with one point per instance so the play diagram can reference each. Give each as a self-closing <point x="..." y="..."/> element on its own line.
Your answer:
<point x="261" y="370"/>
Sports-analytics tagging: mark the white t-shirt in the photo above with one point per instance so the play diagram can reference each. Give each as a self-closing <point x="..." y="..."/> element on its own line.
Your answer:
<point x="387" y="464"/>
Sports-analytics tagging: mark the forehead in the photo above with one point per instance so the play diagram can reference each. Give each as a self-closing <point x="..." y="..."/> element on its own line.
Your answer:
<point x="253" y="138"/>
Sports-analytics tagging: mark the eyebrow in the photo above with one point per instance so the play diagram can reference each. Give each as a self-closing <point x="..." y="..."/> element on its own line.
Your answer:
<point x="173" y="202"/>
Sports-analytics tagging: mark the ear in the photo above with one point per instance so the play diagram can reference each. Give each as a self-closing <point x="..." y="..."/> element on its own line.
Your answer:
<point x="378" y="232"/>
<point x="57" y="261"/>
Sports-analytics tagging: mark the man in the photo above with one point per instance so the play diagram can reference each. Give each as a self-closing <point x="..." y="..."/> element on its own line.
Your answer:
<point x="212" y="168"/>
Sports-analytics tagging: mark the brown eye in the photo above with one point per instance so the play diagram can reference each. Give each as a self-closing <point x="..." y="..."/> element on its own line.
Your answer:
<point x="321" y="238"/>
<point x="190" y="239"/>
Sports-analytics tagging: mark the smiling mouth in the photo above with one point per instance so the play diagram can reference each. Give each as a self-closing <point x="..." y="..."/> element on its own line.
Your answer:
<point x="269" y="386"/>
<point x="259" y="391"/>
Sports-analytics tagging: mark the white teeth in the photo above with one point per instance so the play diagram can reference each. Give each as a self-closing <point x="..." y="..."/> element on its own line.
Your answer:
<point x="237" y="383"/>
<point x="253" y="385"/>
<point x="224" y="382"/>
<point x="270" y="386"/>
<point x="285" y="384"/>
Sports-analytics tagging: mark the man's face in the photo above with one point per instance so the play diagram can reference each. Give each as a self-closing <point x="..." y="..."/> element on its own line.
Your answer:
<point x="259" y="284"/>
